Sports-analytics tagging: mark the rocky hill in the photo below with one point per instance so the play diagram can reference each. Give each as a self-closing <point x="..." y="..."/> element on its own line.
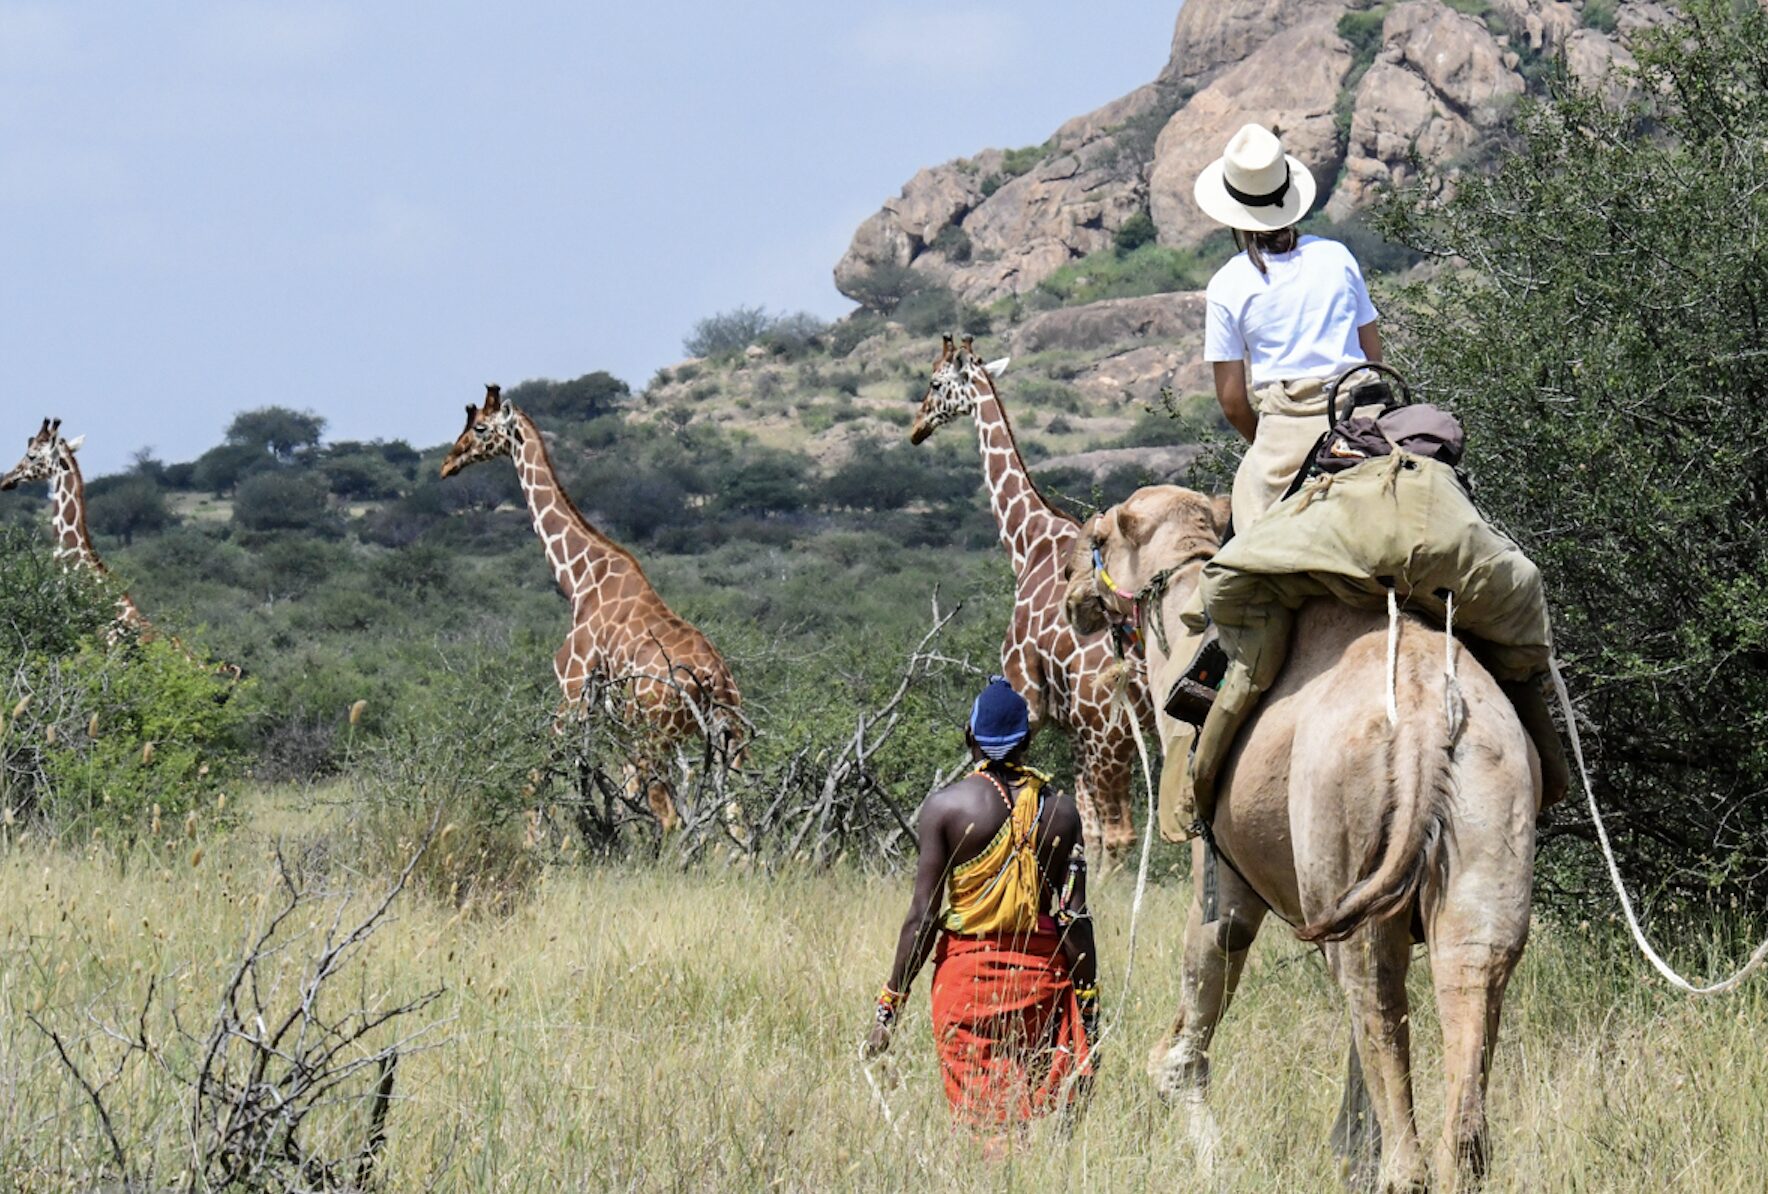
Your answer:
<point x="1028" y="240"/>
<point x="1354" y="88"/>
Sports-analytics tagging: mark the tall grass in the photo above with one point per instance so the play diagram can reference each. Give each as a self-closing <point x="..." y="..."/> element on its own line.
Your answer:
<point x="644" y="1028"/>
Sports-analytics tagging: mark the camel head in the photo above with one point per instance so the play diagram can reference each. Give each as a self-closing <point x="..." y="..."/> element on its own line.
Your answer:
<point x="490" y="431"/>
<point x="960" y="380"/>
<point x="42" y="455"/>
<point x="1156" y="528"/>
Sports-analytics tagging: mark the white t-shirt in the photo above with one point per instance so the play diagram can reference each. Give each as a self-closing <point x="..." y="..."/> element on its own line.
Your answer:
<point x="1301" y="321"/>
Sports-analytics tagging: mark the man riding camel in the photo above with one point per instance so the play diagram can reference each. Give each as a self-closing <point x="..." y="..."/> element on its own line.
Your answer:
<point x="1015" y="981"/>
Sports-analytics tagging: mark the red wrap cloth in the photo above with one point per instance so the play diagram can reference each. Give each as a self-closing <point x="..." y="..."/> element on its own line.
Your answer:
<point x="1007" y="1026"/>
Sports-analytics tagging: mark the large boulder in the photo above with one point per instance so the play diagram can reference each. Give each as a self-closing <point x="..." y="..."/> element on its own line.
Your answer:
<point x="1213" y="34"/>
<point x="1017" y="230"/>
<point x="1158" y="317"/>
<point x="1290" y="84"/>
<point x="1439" y="79"/>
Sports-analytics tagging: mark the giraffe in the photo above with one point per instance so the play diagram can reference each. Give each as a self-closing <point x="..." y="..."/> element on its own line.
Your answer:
<point x="1066" y="679"/>
<point x="675" y="683"/>
<point x="48" y="455"/>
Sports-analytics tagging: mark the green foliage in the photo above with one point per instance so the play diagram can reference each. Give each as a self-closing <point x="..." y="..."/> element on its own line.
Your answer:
<point x="952" y="243"/>
<point x="1015" y="162"/>
<point x="1600" y="15"/>
<point x="144" y="739"/>
<point x="1373" y="250"/>
<point x="1605" y="354"/>
<point x="1135" y="232"/>
<point x="276" y="430"/>
<point x="852" y="331"/>
<point x="730" y="332"/>
<point x="883" y="287"/>
<point x="133" y="505"/>
<point x="1361" y="30"/>
<point x="283" y="501"/>
<point x="586" y="397"/>
<point x="497" y="698"/>
<point x="223" y="467"/>
<point x="94" y="739"/>
<point x="1149" y="269"/>
<point x="46" y="609"/>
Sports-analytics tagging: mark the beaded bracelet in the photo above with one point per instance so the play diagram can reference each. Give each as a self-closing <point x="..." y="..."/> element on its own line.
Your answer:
<point x="1087" y="994"/>
<point x="887" y="1005"/>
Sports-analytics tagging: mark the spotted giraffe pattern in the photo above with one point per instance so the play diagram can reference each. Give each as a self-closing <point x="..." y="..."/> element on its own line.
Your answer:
<point x="1066" y="679"/>
<point x="49" y="456"/>
<point x="664" y="675"/>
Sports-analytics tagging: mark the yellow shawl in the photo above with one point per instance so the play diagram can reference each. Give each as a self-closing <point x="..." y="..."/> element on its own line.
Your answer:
<point x="997" y="891"/>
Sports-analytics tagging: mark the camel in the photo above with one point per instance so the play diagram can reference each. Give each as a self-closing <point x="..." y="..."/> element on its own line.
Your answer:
<point x="1359" y="834"/>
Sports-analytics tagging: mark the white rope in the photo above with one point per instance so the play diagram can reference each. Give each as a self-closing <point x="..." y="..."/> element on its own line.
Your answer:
<point x="1449" y="634"/>
<point x="1393" y="655"/>
<point x="1756" y="959"/>
<point x="1129" y="960"/>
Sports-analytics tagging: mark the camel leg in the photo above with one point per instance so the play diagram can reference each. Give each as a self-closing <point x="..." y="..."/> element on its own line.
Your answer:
<point x="1356" y="1137"/>
<point x="1472" y="954"/>
<point x="1215" y="954"/>
<point x="1371" y="969"/>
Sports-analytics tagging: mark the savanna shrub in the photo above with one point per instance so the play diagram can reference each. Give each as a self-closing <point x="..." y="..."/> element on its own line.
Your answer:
<point x="467" y="750"/>
<point x="118" y="743"/>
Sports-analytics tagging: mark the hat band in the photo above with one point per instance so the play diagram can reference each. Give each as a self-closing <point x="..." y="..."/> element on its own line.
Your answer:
<point x="1268" y="199"/>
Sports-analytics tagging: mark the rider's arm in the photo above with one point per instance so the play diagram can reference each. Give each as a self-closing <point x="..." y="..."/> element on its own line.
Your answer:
<point x="1369" y="339"/>
<point x="1230" y="388"/>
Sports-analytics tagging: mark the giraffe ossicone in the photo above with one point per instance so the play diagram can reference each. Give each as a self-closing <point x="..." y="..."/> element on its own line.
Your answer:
<point x="1068" y="680"/>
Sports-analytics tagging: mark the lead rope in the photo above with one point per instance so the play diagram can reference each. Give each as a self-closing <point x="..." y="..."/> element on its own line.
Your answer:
<point x="1614" y="872"/>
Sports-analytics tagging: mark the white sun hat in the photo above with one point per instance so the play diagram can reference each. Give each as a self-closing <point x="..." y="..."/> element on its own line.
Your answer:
<point x="1254" y="186"/>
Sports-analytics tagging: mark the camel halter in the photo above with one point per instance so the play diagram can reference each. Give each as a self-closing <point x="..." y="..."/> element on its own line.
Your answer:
<point x="1126" y="630"/>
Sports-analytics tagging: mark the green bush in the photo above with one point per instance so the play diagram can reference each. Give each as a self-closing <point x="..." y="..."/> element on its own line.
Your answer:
<point x="497" y="701"/>
<point x="120" y="743"/>
<point x="284" y="500"/>
<point x="852" y="331"/>
<point x="1150" y="269"/>
<point x="1600" y="15"/>
<point x="953" y="243"/>
<point x="1133" y="233"/>
<point x="1606" y="359"/>
<point x="46" y="609"/>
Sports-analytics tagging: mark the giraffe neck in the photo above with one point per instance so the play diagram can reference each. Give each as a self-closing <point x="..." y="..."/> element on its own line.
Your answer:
<point x="73" y="542"/>
<point x="581" y="556"/>
<point x="67" y="497"/>
<point x="1020" y="512"/>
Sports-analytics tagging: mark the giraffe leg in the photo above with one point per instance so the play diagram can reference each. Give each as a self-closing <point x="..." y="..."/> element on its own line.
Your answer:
<point x="1108" y="767"/>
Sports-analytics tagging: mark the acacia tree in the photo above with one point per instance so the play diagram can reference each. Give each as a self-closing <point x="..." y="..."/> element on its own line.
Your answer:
<point x="1599" y="326"/>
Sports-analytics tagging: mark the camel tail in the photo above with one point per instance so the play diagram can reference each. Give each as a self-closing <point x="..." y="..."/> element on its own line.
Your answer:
<point x="1419" y="782"/>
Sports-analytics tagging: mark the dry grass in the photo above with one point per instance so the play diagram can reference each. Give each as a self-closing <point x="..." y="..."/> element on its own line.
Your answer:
<point x="649" y="1029"/>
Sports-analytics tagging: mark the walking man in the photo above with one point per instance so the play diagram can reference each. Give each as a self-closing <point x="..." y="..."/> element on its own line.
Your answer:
<point x="1015" y="981"/>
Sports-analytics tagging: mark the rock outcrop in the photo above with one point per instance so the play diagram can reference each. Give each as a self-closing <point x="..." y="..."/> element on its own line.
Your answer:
<point x="997" y="224"/>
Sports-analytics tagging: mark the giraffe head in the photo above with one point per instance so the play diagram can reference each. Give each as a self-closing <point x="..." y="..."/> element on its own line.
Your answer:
<point x="42" y="455"/>
<point x="960" y="380"/>
<point x="491" y="431"/>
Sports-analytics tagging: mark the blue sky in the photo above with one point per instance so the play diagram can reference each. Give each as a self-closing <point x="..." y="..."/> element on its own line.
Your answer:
<point x="370" y="209"/>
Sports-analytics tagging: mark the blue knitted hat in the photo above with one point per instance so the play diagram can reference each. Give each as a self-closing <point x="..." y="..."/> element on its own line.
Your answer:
<point x="1000" y="720"/>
